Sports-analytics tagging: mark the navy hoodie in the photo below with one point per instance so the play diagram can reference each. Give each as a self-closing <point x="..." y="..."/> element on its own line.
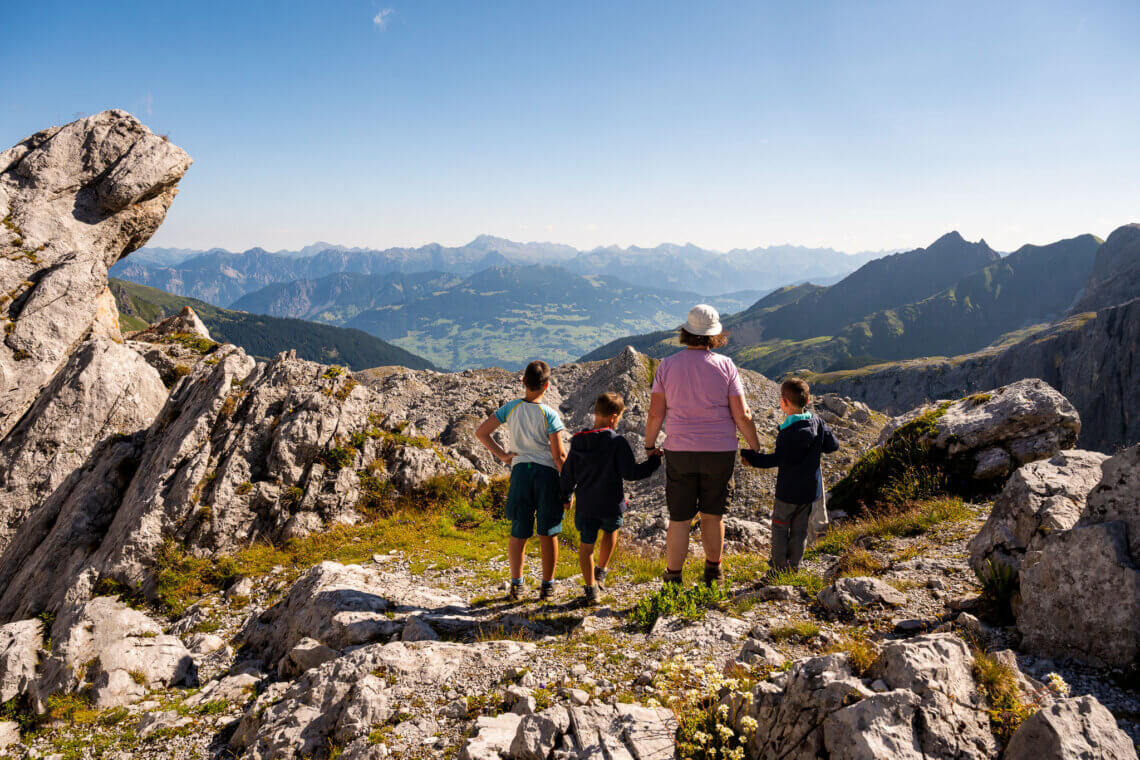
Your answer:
<point x="598" y="462"/>
<point x="798" y="450"/>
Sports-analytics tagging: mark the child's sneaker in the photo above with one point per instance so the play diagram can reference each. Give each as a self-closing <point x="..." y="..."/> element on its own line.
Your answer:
<point x="516" y="591"/>
<point x="547" y="590"/>
<point x="590" y="598"/>
<point x="600" y="577"/>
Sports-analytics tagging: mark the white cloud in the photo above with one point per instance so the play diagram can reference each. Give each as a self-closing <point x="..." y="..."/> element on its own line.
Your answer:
<point x="381" y="17"/>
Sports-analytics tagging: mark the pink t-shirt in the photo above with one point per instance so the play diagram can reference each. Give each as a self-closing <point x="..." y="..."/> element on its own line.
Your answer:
<point x="697" y="385"/>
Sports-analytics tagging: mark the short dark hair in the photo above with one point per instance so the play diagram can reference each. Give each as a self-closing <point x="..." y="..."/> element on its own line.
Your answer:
<point x="536" y="375"/>
<point x="609" y="404"/>
<point x="703" y="341"/>
<point x="796" y="391"/>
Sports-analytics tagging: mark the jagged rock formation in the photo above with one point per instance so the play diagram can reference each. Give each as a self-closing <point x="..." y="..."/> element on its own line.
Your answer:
<point x="1070" y="729"/>
<point x="1091" y="357"/>
<point x="1080" y="589"/>
<point x="74" y="200"/>
<point x="1039" y="499"/>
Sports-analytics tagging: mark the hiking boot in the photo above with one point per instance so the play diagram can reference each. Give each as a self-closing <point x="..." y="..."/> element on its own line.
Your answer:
<point x="600" y="577"/>
<point x="671" y="577"/>
<point x="516" y="592"/>
<point x="590" y="597"/>
<point x="546" y="591"/>
<point x="712" y="573"/>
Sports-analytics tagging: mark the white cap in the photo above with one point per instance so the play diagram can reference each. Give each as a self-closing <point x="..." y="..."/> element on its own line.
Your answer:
<point x="703" y="320"/>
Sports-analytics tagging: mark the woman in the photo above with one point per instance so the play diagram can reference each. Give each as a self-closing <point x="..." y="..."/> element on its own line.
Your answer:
<point x="698" y="396"/>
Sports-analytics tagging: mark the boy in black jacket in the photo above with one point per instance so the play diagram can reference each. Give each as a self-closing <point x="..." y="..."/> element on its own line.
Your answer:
<point x="598" y="462"/>
<point x="802" y="438"/>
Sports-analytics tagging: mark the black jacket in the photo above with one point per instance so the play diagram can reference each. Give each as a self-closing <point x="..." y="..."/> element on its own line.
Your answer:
<point x="597" y="463"/>
<point x="798" y="449"/>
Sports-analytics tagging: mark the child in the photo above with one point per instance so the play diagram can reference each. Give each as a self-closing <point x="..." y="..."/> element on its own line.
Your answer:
<point x="802" y="438"/>
<point x="598" y="462"/>
<point x="536" y="456"/>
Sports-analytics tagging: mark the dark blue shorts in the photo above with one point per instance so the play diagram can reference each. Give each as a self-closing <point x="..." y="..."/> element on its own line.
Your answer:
<point x="588" y="527"/>
<point x="533" y="497"/>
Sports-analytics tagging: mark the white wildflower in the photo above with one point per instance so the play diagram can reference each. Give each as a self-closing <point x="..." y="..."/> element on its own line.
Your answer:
<point x="748" y="724"/>
<point x="1057" y="684"/>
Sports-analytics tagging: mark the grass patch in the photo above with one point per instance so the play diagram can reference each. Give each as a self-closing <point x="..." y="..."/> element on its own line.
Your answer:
<point x="192" y="341"/>
<point x="801" y="632"/>
<point x="909" y="521"/>
<point x="905" y="468"/>
<point x="998" y="683"/>
<point x="857" y="562"/>
<point x="803" y="579"/>
<point x="674" y="600"/>
<point x="1000" y="583"/>
<point x="861" y="653"/>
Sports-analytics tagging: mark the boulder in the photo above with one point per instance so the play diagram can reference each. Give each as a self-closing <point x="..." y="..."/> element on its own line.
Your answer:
<point x="1080" y="589"/>
<point x="538" y="734"/>
<point x="928" y="706"/>
<point x="9" y="734"/>
<point x="988" y="434"/>
<point x="1070" y="729"/>
<point x="756" y="653"/>
<point x="1039" y="499"/>
<point x="19" y="654"/>
<point x="114" y="651"/>
<point x="848" y="594"/>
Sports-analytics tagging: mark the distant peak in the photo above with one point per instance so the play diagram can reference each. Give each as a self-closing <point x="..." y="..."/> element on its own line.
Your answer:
<point x="950" y="237"/>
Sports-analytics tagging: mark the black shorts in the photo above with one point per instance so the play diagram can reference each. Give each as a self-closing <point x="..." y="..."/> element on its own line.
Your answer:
<point x="697" y="481"/>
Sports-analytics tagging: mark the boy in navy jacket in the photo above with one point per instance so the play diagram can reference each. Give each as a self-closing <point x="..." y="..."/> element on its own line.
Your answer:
<point x="801" y="440"/>
<point x="598" y="462"/>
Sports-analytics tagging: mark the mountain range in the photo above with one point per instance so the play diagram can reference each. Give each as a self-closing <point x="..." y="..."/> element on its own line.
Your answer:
<point x="952" y="296"/>
<point x="222" y="277"/>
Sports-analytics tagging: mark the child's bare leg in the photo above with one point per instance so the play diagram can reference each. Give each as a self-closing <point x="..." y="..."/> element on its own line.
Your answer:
<point x="676" y="545"/>
<point x="516" y="549"/>
<point x="586" y="562"/>
<point x="606" y="548"/>
<point x="549" y="546"/>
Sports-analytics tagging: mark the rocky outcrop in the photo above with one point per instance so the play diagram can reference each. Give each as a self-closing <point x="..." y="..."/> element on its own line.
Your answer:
<point x="1115" y="277"/>
<point x="112" y="652"/>
<point x="1091" y="358"/>
<point x="74" y="200"/>
<point x="104" y="390"/>
<point x="1080" y="588"/>
<point x="341" y="700"/>
<point x="1039" y="499"/>
<point x="995" y="432"/>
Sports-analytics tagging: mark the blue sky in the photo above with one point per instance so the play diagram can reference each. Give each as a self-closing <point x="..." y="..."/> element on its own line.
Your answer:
<point x="859" y="125"/>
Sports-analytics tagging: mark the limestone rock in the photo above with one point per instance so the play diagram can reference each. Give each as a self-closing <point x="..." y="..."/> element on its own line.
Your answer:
<point x="103" y="390"/>
<point x="538" y="734"/>
<point x="1080" y="591"/>
<point x="341" y="699"/>
<point x="1071" y="729"/>
<point x="9" y="734"/>
<point x="1027" y="420"/>
<point x="184" y="323"/>
<point x="19" y="654"/>
<point x="115" y="651"/>
<point x="332" y="605"/>
<point x="76" y="198"/>
<point x="1040" y="498"/>
<point x="758" y="653"/>
<point x="876" y="728"/>
<point x="847" y="594"/>
<point x="492" y="737"/>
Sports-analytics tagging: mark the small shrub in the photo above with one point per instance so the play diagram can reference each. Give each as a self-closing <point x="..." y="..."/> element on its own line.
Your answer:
<point x="979" y="398"/>
<point x="860" y="652"/>
<point x="857" y="562"/>
<point x="1000" y="583"/>
<point x="671" y="599"/>
<point x="243" y="488"/>
<point x="138" y="677"/>
<point x="195" y="343"/>
<point x="337" y="458"/>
